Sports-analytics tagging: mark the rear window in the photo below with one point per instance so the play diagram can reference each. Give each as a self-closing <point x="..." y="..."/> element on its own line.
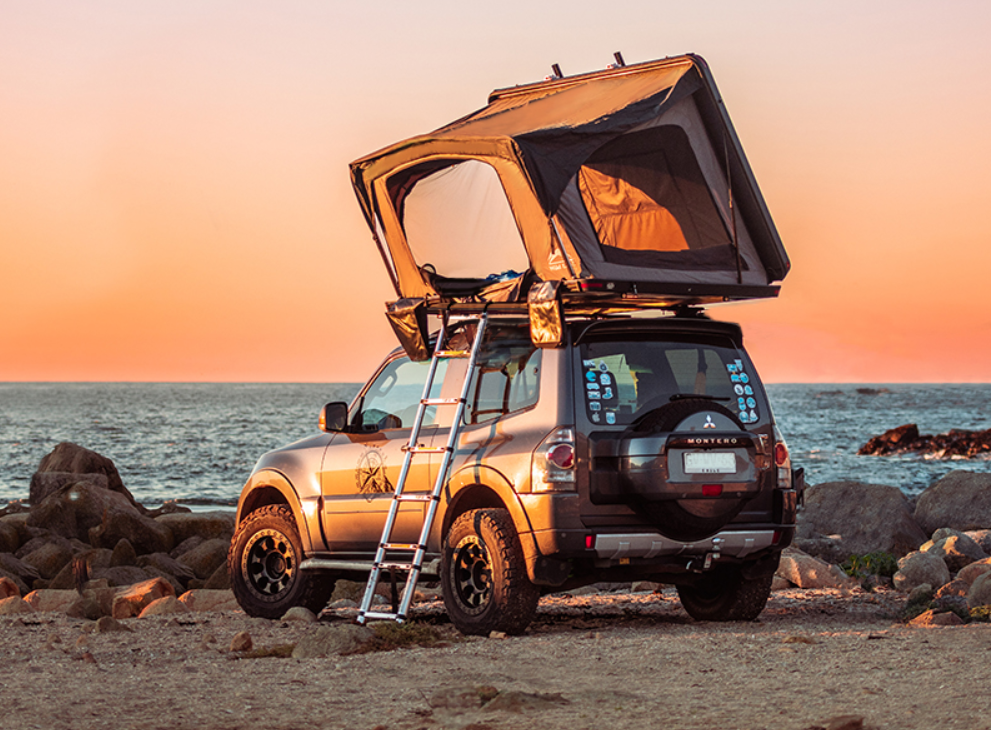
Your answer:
<point x="622" y="381"/>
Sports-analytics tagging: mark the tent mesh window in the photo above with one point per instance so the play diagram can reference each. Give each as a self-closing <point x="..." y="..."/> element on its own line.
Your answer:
<point x="650" y="205"/>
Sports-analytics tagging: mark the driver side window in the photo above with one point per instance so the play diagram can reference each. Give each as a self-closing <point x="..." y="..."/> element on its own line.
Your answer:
<point x="391" y="400"/>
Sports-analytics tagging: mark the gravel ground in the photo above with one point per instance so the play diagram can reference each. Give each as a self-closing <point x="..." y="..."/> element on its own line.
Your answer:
<point x="603" y="661"/>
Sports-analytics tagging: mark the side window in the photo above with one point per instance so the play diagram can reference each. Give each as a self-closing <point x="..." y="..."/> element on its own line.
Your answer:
<point x="391" y="400"/>
<point x="507" y="377"/>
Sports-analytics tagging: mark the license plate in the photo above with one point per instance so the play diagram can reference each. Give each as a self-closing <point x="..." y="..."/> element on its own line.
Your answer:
<point x="710" y="462"/>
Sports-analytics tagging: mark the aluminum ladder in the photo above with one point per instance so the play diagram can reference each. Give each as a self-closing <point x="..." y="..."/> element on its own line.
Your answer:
<point x="408" y="557"/>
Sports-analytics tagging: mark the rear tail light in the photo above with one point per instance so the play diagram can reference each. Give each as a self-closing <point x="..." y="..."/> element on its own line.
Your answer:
<point x="712" y="490"/>
<point x="553" y="468"/>
<point x="782" y="460"/>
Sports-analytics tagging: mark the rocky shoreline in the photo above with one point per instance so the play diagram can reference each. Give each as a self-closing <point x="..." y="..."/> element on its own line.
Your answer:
<point x="85" y="547"/>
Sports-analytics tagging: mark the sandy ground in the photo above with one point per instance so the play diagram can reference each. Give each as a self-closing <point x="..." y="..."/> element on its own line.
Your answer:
<point x="601" y="661"/>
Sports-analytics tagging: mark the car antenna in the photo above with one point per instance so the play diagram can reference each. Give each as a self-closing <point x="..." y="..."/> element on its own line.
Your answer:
<point x="619" y="60"/>
<point x="556" y="71"/>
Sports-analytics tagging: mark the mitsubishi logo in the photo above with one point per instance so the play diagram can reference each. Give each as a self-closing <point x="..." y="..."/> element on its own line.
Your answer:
<point x="708" y="423"/>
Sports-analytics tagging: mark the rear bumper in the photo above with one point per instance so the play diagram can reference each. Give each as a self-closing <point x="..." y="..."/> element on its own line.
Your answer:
<point x="653" y="545"/>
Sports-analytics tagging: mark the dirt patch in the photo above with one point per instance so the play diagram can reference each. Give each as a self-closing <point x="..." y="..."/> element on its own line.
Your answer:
<point x="609" y="660"/>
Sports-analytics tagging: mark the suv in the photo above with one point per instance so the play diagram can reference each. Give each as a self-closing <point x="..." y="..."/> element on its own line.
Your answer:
<point x="641" y="448"/>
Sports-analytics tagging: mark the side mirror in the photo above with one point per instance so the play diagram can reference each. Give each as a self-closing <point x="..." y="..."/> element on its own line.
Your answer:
<point x="334" y="417"/>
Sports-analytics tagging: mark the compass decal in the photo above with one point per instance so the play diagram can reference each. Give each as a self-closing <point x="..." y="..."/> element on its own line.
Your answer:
<point x="370" y="473"/>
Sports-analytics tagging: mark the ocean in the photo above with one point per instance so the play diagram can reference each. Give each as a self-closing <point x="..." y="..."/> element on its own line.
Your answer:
<point x="196" y="443"/>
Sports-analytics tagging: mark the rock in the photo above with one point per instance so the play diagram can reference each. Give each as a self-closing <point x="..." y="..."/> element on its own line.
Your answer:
<point x="330" y="640"/>
<point x="76" y="509"/>
<point x="300" y="613"/>
<point x="167" y="564"/>
<point x="343" y="603"/>
<point x="932" y="618"/>
<point x="917" y="568"/>
<point x="217" y="524"/>
<point x="866" y="517"/>
<point x="957" y="604"/>
<point x="10" y="538"/>
<point x="955" y="442"/>
<point x="969" y="573"/>
<point x="205" y="558"/>
<point x="891" y="441"/>
<point x="961" y="500"/>
<point x="955" y="548"/>
<point x="953" y="588"/>
<point x="220" y="579"/>
<point x="922" y="593"/>
<point x="982" y="538"/>
<point x="241" y="641"/>
<point x="93" y="604"/>
<point x="466" y="698"/>
<point x="163" y="607"/>
<point x="980" y="591"/>
<point x="123" y="554"/>
<point x="805" y="571"/>
<point x="202" y="599"/>
<point x="153" y="572"/>
<point x="845" y="722"/>
<point x="132" y="601"/>
<point x="50" y="558"/>
<point x="779" y="584"/>
<point x="641" y="586"/>
<point x="18" y="582"/>
<point x="69" y="457"/>
<point x="40" y="538"/>
<point x="110" y="625"/>
<point x="11" y="567"/>
<point x="584" y="591"/>
<point x="51" y="600"/>
<point x="144" y="533"/>
<point x="122" y="575"/>
<point x="8" y="588"/>
<point x="186" y="545"/>
<point x="14" y="605"/>
<point x="44" y="484"/>
<point x="95" y="560"/>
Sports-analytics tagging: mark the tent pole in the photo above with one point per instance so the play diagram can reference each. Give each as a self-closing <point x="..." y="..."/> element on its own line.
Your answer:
<point x="732" y="213"/>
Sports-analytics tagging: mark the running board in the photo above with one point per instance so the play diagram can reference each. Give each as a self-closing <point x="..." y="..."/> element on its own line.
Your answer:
<point x="431" y="567"/>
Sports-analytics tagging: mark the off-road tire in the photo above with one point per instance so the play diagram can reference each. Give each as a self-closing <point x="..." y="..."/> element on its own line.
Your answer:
<point x="726" y="595"/>
<point x="263" y="564"/>
<point x="484" y="577"/>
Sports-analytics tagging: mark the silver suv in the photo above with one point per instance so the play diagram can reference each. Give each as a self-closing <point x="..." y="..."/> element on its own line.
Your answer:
<point x="644" y="448"/>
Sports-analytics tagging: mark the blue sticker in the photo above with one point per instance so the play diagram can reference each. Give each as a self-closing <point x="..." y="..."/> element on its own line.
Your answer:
<point x="738" y="389"/>
<point x="735" y="378"/>
<point x="595" y="417"/>
<point x="731" y="368"/>
<point x="603" y="367"/>
<point x="588" y="363"/>
<point x="594" y="395"/>
<point x="590" y="375"/>
<point x="605" y="379"/>
<point x="592" y="386"/>
<point x="748" y="390"/>
<point x="595" y="407"/>
<point x="744" y="377"/>
<point x="753" y="415"/>
<point x="610" y="417"/>
<point x="607" y="393"/>
<point x="751" y="403"/>
<point x="741" y="403"/>
<point x="743" y="416"/>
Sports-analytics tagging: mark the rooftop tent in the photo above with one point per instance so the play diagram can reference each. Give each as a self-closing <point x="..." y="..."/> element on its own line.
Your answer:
<point x="632" y="177"/>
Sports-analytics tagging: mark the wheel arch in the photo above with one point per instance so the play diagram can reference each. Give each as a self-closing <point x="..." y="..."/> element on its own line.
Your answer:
<point x="271" y="487"/>
<point x="477" y="487"/>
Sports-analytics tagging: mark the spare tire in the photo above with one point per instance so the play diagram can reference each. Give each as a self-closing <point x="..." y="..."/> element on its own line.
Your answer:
<point x="686" y="519"/>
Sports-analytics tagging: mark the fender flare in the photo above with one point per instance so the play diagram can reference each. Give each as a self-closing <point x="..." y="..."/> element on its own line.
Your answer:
<point x="269" y="486"/>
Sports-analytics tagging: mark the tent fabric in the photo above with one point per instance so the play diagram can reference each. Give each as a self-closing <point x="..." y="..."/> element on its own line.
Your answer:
<point x="630" y="174"/>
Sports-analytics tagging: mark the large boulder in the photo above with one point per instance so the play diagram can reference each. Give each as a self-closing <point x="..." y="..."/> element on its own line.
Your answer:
<point x="132" y="601"/>
<point x="971" y="572"/>
<point x="204" y="559"/>
<point x="806" y="571"/>
<point x="961" y="500"/>
<point x="78" y="507"/>
<point x="50" y="558"/>
<point x="867" y="517"/>
<point x="8" y="587"/>
<point x="145" y="534"/>
<point x="208" y="525"/>
<point x="14" y="605"/>
<point x="10" y="538"/>
<point x="955" y="548"/>
<point x="19" y="571"/>
<point x="980" y="591"/>
<point x="74" y="459"/>
<point x="918" y="568"/>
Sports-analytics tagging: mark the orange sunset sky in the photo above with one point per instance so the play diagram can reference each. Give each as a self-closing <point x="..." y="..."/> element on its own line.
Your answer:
<point x="175" y="202"/>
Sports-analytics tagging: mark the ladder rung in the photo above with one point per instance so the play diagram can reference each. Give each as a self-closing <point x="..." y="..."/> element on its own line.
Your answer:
<point x="396" y="566"/>
<point x="383" y="615"/>
<point x="414" y="497"/>
<point x="426" y="449"/>
<point x="453" y="353"/>
<point x="441" y="401"/>
<point x="399" y="546"/>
